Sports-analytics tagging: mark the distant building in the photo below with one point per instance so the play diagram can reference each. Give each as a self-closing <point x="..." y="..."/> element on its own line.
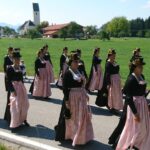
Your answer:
<point x="36" y="13"/>
<point x="52" y="31"/>
<point x="28" y="25"/>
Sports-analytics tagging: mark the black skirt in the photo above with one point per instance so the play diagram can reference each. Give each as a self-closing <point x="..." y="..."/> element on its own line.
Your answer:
<point x="7" y="115"/>
<point x="60" y="128"/>
<point x="114" y="138"/>
<point x="102" y="97"/>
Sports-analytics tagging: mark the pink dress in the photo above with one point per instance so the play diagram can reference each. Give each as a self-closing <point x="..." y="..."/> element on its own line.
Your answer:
<point x="19" y="105"/>
<point x="96" y="82"/>
<point x="115" y="99"/>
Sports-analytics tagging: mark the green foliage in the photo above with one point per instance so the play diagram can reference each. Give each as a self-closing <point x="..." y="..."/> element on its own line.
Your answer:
<point x="147" y="34"/>
<point x="8" y="31"/>
<point x="33" y="33"/>
<point x="40" y="27"/>
<point x="90" y="31"/>
<point x="103" y="35"/>
<point x="117" y="25"/>
<point x="75" y="30"/>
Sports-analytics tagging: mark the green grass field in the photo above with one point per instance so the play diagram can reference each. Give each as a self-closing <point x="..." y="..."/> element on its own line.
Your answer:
<point x="123" y="47"/>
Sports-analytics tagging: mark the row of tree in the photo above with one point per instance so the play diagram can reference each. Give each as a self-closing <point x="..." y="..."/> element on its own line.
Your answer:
<point x="121" y="27"/>
<point x="7" y="31"/>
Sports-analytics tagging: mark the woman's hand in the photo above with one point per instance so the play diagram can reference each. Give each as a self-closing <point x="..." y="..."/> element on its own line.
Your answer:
<point x="14" y="94"/>
<point x="67" y="105"/>
<point x="137" y="118"/>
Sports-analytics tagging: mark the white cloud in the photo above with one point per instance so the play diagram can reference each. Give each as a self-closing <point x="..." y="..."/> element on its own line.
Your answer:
<point x="147" y="5"/>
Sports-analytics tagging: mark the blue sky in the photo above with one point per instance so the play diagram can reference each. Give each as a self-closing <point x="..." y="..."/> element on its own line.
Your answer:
<point x="85" y="12"/>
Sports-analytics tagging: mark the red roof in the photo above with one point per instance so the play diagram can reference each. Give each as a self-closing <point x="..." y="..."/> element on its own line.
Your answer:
<point x="55" y="27"/>
<point x="50" y="32"/>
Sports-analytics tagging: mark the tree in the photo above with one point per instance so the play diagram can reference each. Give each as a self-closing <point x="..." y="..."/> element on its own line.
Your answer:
<point x="40" y="27"/>
<point x="33" y="33"/>
<point x="140" y="33"/>
<point x="116" y="25"/>
<point x="75" y="30"/>
<point x="90" y="31"/>
<point x="8" y="31"/>
<point x="135" y="26"/>
<point x="147" y="34"/>
<point x="63" y="33"/>
<point x="103" y="35"/>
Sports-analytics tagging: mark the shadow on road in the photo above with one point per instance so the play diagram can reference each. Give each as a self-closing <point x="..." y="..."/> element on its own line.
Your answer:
<point x="93" y="145"/>
<point x="38" y="131"/>
<point x="50" y="100"/>
<point x="100" y="111"/>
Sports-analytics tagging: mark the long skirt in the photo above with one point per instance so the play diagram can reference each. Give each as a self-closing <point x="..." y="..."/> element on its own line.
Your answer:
<point x="50" y="72"/>
<point x="60" y="79"/>
<point x="19" y="105"/>
<point x="7" y="115"/>
<point x="79" y="128"/>
<point x="41" y="85"/>
<point x="115" y="99"/>
<point x="114" y="138"/>
<point x="96" y="81"/>
<point x="136" y="134"/>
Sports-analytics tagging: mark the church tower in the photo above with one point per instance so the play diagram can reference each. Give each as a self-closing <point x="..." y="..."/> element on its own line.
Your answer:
<point x="36" y="13"/>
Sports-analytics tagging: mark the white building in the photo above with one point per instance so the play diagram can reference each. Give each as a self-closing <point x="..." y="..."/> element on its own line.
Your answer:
<point x="28" y="25"/>
<point x="36" y="13"/>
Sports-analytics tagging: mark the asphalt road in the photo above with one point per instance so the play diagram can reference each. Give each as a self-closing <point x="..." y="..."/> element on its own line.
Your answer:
<point x="43" y="116"/>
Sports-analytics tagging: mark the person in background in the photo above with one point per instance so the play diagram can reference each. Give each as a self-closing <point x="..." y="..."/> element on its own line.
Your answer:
<point x="136" y="132"/>
<point x="19" y="103"/>
<point x="75" y="116"/>
<point x="96" y="76"/>
<point x="41" y="86"/>
<point x="8" y="61"/>
<point x="81" y="67"/>
<point x="49" y="65"/>
<point x="111" y="93"/>
<point x="63" y="66"/>
<point x="23" y="68"/>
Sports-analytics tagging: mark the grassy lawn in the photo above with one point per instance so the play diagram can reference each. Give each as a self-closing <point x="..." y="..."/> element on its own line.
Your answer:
<point x="123" y="47"/>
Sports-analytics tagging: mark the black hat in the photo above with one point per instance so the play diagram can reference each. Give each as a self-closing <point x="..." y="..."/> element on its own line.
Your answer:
<point x="78" y="51"/>
<point x="16" y="49"/>
<point x="16" y="55"/>
<point x="73" y="57"/>
<point x="138" y="61"/>
<point x="65" y="48"/>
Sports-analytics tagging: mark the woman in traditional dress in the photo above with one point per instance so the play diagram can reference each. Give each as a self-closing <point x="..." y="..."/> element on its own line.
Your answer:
<point x="114" y="138"/>
<point x="136" y="132"/>
<point x="7" y="62"/>
<point x="19" y="103"/>
<point x="49" y="65"/>
<point x="96" y="76"/>
<point x="111" y="85"/>
<point x="41" y="86"/>
<point x="63" y="66"/>
<point x="75" y="117"/>
<point x="81" y="67"/>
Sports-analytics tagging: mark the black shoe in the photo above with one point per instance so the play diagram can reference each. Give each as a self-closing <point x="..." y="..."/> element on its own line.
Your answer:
<point x="26" y="124"/>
